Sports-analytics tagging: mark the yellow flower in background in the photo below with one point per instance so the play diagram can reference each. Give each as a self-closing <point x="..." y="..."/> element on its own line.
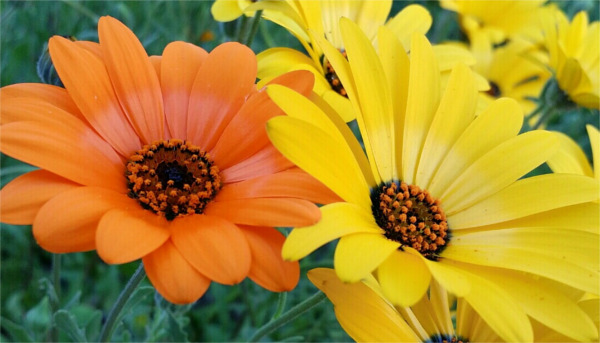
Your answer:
<point x="543" y="333"/>
<point x="513" y="71"/>
<point x="367" y="317"/>
<point x="320" y="18"/>
<point x="229" y="10"/>
<point x="571" y="159"/>
<point x="499" y="19"/>
<point x="439" y="194"/>
<point x="574" y="49"/>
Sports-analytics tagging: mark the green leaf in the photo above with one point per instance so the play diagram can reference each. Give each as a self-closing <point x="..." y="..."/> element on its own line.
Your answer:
<point x="66" y="322"/>
<point x="17" y="332"/>
<point x="139" y="295"/>
<point x="176" y="333"/>
<point x="38" y="319"/>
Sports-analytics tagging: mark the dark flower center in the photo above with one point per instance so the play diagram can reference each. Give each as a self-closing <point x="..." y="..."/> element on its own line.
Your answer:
<point x="411" y="216"/>
<point x="494" y="90"/>
<point x="333" y="79"/>
<point x="172" y="178"/>
<point x="445" y="338"/>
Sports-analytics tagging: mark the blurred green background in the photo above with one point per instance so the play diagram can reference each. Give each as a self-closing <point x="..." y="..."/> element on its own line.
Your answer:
<point x="89" y="287"/>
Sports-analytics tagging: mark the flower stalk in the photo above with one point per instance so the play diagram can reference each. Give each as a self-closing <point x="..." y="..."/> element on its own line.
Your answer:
<point x="115" y="312"/>
<point x="288" y="316"/>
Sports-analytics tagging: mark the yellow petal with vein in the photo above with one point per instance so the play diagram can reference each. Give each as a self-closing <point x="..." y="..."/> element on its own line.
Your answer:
<point x="423" y="100"/>
<point x="500" y="311"/>
<point x="374" y="97"/>
<point x="499" y="122"/>
<point x="363" y="314"/>
<point x="455" y="113"/>
<point x="569" y="158"/>
<point x="499" y="168"/>
<point x="322" y="156"/>
<point x="543" y="302"/>
<point x="526" y="197"/>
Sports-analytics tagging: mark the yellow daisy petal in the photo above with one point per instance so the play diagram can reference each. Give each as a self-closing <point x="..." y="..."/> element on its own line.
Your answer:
<point x="525" y="197"/>
<point x="595" y="143"/>
<point x="499" y="311"/>
<point x="552" y="267"/>
<point x="504" y="115"/>
<point x="569" y="158"/>
<point x="543" y="302"/>
<point x="455" y="113"/>
<point x="396" y="65"/>
<point x="394" y="275"/>
<point x="423" y="100"/>
<point x="226" y="10"/>
<point x="363" y="314"/>
<point x="312" y="151"/>
<point x="374" y="97"/>
<point x="337" y="220"/>
<point x="447" y="275"/>
<point x="499" y="168"/>
<point x="359" y="254"/>
<point x="413" y="18"/>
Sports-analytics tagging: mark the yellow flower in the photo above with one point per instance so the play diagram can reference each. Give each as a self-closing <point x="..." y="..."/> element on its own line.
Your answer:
<point x="571" y="159"/>
<point x="499" y="19"/>
<point x="366" y="316"/>
<point x="229" y="10"/>
<point x="512" y="70"/>
<point x="574" y="50"/>
<point x="306" y="19"/>
<point x="543" y="333"/>
<point x="439" y="194"/>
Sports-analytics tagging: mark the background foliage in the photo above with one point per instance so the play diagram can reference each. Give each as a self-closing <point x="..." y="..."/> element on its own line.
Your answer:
<point x="89" y="287"/>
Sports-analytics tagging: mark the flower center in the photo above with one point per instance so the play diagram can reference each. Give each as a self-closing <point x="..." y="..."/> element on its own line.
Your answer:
<point x="333" y="79"/>
<point x="411" y="216"/>
<point x="445" y="338"/>
<point x="494" y="90"/>
<point x="172" y="178"/>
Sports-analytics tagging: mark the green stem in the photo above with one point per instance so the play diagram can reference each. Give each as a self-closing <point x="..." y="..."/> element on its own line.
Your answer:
<point x="290" y="315"/>
<point x="241" y="28"/>
<point x="280" y="305"/>
<point x="114" y="313"/>
<point x="266" y="36"/>
<point x="254" y="27"/>
<point x="56" y="263"/>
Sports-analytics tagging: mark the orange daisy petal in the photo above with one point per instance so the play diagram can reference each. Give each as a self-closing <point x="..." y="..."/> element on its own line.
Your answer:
<point x="68" y="221"/>
<point x="267" y="161"/>
<point x="246" y="133"/>
<point x="77" y="155"/>
<point x="85" y="78"/>
<point x="57" y="96"/>
<point x="173" y="277"/>
<point x="156" y="61"/>
<point x="127" y="234"/>
<point x="224" y="80"/>
<point x="92" y="47"/>
<point x="214" y="246"/>
<point x="24" y="196"/>
<point x="133" y="77"/>
<point x="265" y="211"/>
<point x="268" y="269"/>
<point x="179" y="67"/>
<point x="291" y="183"/>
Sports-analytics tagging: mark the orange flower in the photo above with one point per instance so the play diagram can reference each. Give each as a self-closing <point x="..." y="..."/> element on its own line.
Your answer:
<point x="163" y="158"/>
